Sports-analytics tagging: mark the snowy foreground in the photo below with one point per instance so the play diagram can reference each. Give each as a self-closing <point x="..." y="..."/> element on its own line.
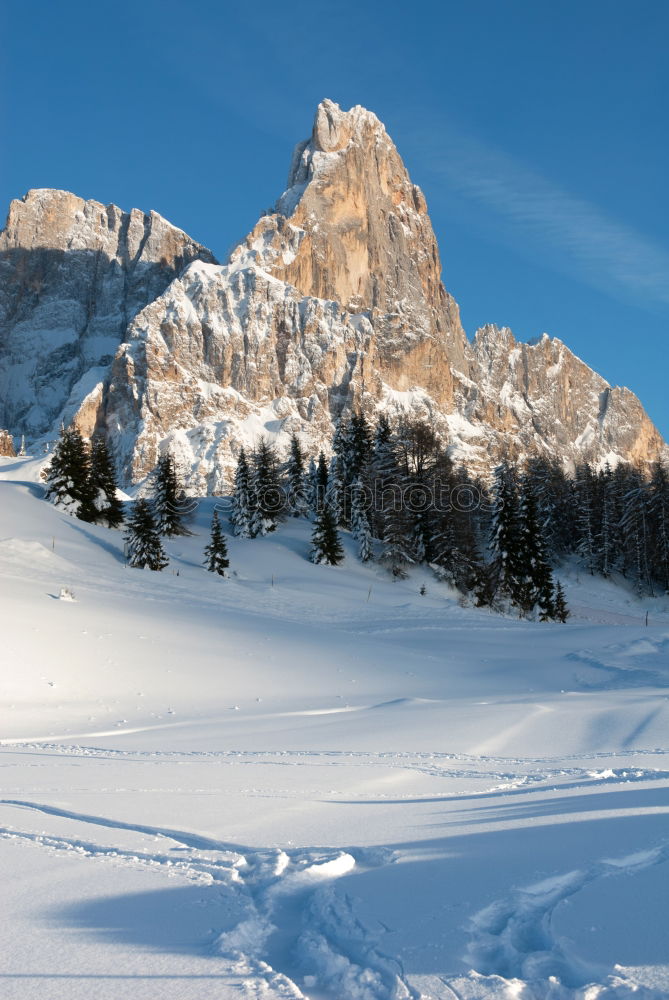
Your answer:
<point x="309" y="781"/>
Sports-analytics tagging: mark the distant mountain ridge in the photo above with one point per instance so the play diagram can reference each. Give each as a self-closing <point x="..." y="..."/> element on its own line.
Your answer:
<point x="334" y="301"/>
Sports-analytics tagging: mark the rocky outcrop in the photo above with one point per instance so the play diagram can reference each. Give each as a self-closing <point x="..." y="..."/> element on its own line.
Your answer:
<point x="6" y="445"/>
<point x="541" y="397"/>
<point x="333" y="301"/>
<point x="73" y="273"/>
<point x="353" y="228"/>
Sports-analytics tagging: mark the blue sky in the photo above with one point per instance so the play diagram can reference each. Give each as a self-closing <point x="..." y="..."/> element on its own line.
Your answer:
<point x="537" y="130"/>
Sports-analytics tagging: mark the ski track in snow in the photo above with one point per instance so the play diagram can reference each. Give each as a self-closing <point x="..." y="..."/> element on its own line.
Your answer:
<point x="295" y="916"/>
<point x="512" y="939"/>
<point x="298" y="933"/>
<point x="520" y="774"/>
<point x="285" y="894"/>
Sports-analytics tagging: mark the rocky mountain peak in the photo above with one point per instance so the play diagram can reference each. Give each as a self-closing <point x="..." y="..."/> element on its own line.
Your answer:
<point x="73" y="273"/>
<point x="353" y="228"/>
<point x="333" y="302"/>
<point x="334" y="128"/>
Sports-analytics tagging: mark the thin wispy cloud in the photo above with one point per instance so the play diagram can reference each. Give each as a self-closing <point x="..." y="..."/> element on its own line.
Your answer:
<point x="571" y="231"/>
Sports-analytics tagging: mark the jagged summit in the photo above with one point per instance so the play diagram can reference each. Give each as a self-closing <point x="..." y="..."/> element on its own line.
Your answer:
<point x="55" y="219"/>
<point x="332" y="131"/>
<point x="73" y="273"/>
<point x="334" y="301"/>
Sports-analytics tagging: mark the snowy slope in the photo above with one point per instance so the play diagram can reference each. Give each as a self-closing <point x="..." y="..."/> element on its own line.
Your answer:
<point x="311" y="781"/>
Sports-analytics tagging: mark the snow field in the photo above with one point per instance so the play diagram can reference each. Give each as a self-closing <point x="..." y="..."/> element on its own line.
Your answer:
<point x="308" y="781"/>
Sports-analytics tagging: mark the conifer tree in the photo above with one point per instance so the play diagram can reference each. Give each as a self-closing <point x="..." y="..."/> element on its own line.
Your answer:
<point x="360" y="528"/>
<point x="318" y="473"/>
<point x="145" y="550"/>
<point x="604" y="538"/>
<point x="267" y="499"/>
<point x="553" y="494"/>
<point x="104" y="486"/>
<point x="325" y="543"/>
<point x="385" y="476"/>
<point x="658" y="515"/>
<point x="382" y="434"/>
<point x="68" y="481"/>
<point x="396" y="552"/>
<point x="341" y="449"/>
<point x="561" y="611"/>
<point x="419" y="539"/>
<point x="586" y="519"/>
<point x="634" y="525"/>
<point x="535" y="582"/>
<point x="297" y="492"/>
<point x="216" y="552"/>
<point x="311" y="485"/>
<point x="334" y="492"/>
<point x="364" y="540"/>
<point x="505" y="534"/>
<point x="167" y="498"/>
<point x="360" y="448"/>
<point x="241" y="510"/>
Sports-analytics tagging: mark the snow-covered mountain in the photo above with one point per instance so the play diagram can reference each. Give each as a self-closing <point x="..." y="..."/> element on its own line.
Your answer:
<point x="334" y="300"/>
<point x="73" y="273"/>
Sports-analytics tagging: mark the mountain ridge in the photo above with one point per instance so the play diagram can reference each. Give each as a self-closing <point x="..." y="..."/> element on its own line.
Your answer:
<point x="333" y="301"/>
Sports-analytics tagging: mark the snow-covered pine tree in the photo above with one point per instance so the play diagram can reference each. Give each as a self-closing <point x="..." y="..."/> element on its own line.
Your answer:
<point x="382" y="438"/>
<point x="617" y="488"/>
<point x="634" y="525"/>
<point x="360" y="528"/>
<point x="605" y="535"/>
<point x="267" y="498"/>
<point x="68" y="480"/>
<point x="418" y="541"/>
<point x="334" y="492"/>
<point x="319" y="484"/>
<point x="360" y="448"/>
<point x="384" y="475"/>
<point x="469" y="499"/>
<point x="457" y="558"/>
<point x="311" y="485"/>
<point x="396" y="552"/>
<point x="216" y="552"/>
<point x="535" y="583"/>
<point x="561" y="611"/>
<point x="505" y="546"/>
<point x="586" y="517"/>
<point x="340" y="472"/>
<point x="553" y="497"/>
<point x="104" y="486"/>
<point x="658" y="518"/>
<point x="325" y="542"/>
<point x="438" y="522"/>
<point x="365" y="541"/>
<point x="145" y="550"/>
<point x="241" y="512"/>
<point x="295" y="479"/>
<point x="341" y="447"/>
<point x="22" y="447"/>
<point x="167" y="498"/>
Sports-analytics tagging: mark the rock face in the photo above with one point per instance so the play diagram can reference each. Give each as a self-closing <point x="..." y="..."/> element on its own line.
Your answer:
<point x="540" y="397"/>
<point x="73" y="273"/>
<point x="352" y="228"/>
<point x="333" y="301"/>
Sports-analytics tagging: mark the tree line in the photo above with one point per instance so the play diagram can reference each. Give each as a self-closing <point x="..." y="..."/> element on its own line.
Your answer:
<point x="81" y="480"/>
<point x="404" y="501"/>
